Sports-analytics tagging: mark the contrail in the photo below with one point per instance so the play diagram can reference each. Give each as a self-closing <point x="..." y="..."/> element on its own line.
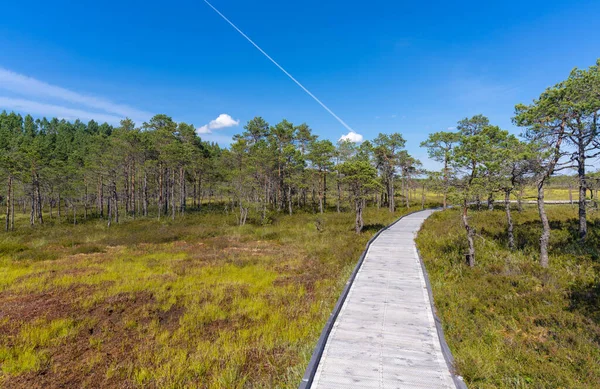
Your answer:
<point x="280" y="67"/>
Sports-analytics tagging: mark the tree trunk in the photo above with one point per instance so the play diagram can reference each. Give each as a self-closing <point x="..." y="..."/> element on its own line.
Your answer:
<point x="510" y="228"/>
<point x="290" y="199"/>
<point x="403" y="189"/>
<point x="446" y="186"/>
<point x="173" y="207"/>
<point x="304" y="196"/>
<point x="582" y="193"/>
<point x="160" y="191"/>
<point x="167" y="187"/>
<point x="38" y="199"/>
<point x="115" y="201"/>
<point x="33" y="206"/>
<point x="339" y="192"/>
<point x="359" y="224"/>
<point x="100" y="196"/>
<point x="470" y="235"/>
<point x="321" y="195"/>
<point x="8" y="202"/>
<point x="520" y="200"/>
<point x="194" y="191"/>
<point x="490" y="202"/>
<point x="392" y="195"/>
<point x="243" y="214"/>
<point x="324" y="205"/>
<point x="181" y="191"/>
<point x="109" y="211"/>
<point x="145" y="193"/>
<point x="126" y="187"/>
<point x="85" y="201"/>
<point x="133" y="202"/>
<point x="12" y="206"/>
<point x="406" y="191"/>
<point x="545" y="238"/>
<point x="571" y="195"/>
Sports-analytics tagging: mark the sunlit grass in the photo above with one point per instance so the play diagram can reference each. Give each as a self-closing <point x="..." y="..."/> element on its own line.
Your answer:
<point x="198" y="302"/>
<point x="509" y="322"/>
<point x="550" y="194"/>
<point x="29" y="347"/>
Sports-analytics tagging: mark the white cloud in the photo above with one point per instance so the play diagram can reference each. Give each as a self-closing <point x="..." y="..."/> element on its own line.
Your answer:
<point x="352" y="137"/>
<point x="223" y="121"/>
<point x="43" y="109"/>
<point x="25" y="85"/>
<point x="451" y="128"/>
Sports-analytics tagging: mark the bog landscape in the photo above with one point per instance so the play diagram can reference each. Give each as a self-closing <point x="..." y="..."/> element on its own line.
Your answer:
<point x="143" y="251"/>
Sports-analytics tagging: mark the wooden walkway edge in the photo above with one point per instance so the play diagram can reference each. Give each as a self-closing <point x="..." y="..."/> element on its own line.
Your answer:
<point x="383" y="332"/>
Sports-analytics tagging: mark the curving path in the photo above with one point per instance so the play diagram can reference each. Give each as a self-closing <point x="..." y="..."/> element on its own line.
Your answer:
<point x="385" y="335"/>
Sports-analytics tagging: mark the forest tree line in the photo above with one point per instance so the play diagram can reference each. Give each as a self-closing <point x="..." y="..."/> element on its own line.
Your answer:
<point x="60" y="169"/>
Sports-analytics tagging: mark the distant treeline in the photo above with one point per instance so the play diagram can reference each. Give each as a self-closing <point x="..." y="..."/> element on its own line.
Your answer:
<point x="55" y="168"/>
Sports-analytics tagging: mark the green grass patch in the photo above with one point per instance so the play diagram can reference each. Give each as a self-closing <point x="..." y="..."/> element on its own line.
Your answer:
<point x="198" y="302"/>
<point x="509" y="322"/>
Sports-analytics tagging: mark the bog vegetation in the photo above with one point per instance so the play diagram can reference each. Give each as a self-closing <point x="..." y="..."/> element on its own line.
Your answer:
<point x="510" y="322"/>
<point x="199" y="302"/>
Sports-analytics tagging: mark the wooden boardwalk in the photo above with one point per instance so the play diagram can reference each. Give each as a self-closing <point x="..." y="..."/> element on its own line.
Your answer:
<point x="385" y="336"/>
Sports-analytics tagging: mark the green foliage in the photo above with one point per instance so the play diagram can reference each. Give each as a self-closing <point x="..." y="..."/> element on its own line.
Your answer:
<point x="29" y="350"/>
<point x="361" y="177"/>
<point x="440" y="144"/>
<point x="477" y="157"/>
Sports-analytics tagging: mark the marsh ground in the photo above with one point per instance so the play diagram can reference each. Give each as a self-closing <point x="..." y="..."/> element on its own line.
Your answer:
<point x="509" y="322"/>
<point x="198" y="302"/>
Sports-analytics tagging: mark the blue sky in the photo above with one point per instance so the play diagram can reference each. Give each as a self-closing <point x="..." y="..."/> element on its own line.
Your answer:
<point x="382" y="66"/>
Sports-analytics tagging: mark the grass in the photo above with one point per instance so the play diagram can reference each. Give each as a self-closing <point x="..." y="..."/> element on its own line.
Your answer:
<point x="509" y="322"/>
<point x="529" y="194"/>
<point x="198" y="302"/>
<point x="553" y="194"/>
